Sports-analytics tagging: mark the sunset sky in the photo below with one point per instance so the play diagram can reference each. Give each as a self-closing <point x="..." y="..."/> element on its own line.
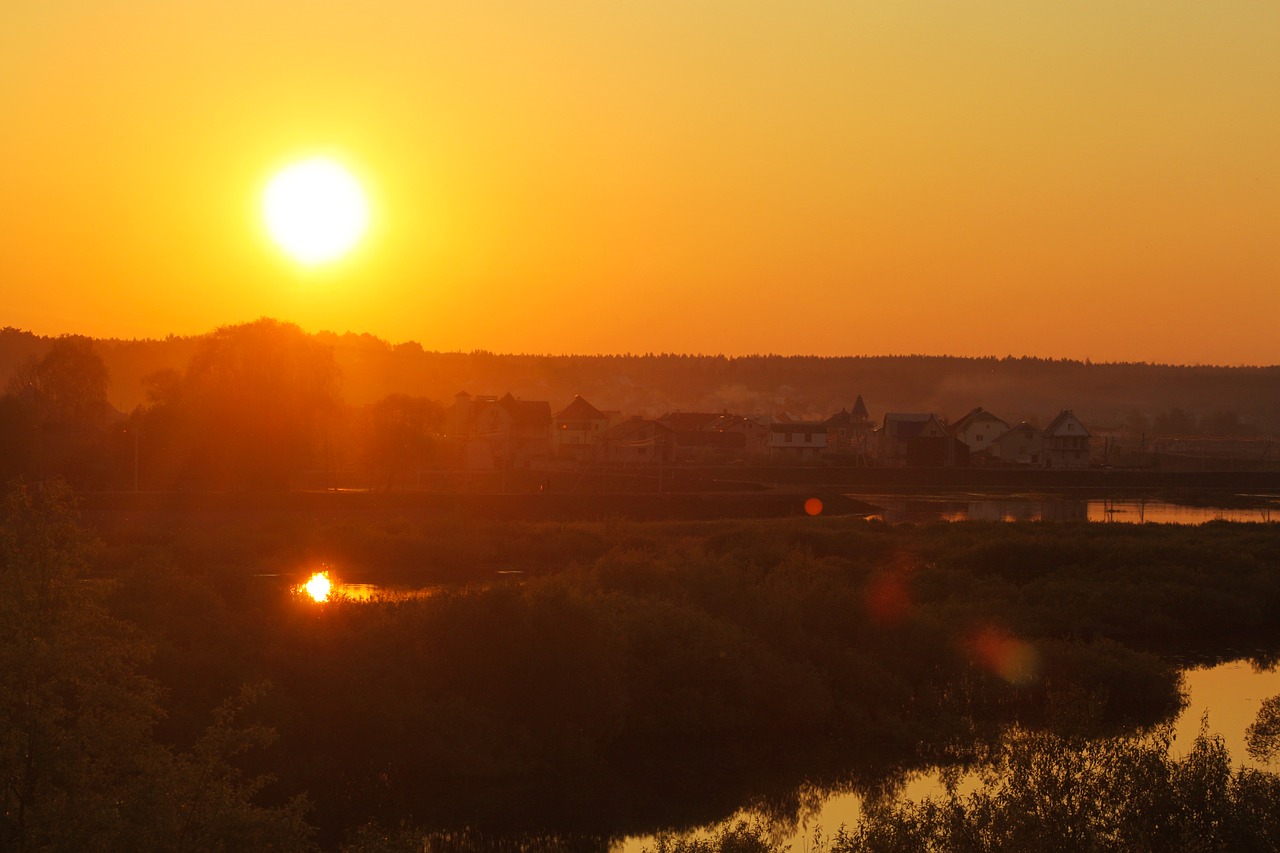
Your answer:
<point x="1088" y="179"/>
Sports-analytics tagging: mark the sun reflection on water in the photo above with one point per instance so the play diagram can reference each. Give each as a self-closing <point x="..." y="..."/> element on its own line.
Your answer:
<point x="318" y="587"/>
<point x="324" y="587"/>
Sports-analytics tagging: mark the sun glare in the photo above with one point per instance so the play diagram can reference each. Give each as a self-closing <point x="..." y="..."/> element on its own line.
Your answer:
<point x="315" y="210"/>
<point x="319" y="586"/>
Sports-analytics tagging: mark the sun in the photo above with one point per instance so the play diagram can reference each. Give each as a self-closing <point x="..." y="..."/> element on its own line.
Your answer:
<point x="315" y="210"/>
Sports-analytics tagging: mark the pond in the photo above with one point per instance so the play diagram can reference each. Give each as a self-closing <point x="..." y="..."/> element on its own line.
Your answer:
<point x="898" y="509"/>
<point x="1229" y="693"/>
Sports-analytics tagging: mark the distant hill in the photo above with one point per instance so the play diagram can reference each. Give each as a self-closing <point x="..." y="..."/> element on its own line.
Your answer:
<point x="1016" y="389"/>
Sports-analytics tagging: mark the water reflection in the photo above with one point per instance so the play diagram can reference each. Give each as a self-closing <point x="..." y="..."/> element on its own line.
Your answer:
<point x="1231" y="693"/>
<point x="323" y="586"/>
<point x="897" y="509"/>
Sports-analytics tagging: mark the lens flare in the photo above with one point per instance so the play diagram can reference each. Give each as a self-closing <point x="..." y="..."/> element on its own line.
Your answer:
<point x="1014" y="660"/>
<point x="813" y="506"/>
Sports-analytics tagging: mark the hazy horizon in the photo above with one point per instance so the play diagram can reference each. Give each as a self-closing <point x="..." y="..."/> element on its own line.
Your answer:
<point x="868" y="355"/>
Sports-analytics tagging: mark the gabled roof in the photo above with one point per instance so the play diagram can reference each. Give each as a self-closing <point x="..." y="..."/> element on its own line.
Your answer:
<point x="839" y="419"/>
<point x="580" y="410"/>
<point x="1014" y="431"/>
<point x="526" y="412"/>
<point x="908" y="424"/>
<point x="859" y="409"/>
<point x="1060" y="424"/>
<point x="977" y="415"/>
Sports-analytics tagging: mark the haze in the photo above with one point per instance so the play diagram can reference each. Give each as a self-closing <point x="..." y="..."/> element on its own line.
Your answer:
<point x="1094" y="179"/>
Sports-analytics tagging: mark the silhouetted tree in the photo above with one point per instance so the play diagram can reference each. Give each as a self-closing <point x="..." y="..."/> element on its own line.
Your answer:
<point x="55" y="418"/>
<point x="399" y="432"/>
<point x="250" y="407"/>
<point x="1175" y="422"/>
<point x="79" y="767"/>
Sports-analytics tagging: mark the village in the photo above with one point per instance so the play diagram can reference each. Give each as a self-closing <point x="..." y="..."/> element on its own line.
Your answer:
<point x="489" y="433"/>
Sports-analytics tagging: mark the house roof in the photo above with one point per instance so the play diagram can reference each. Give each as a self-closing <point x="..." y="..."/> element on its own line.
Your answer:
<point x="977" y="415"/>
<point x="526" y="412"/>
<point x="859" y="409"/>
<point x="580" y="409"/>
<point x="840" y="418"/>
<point x="1014" y="431"/>
<point x="908" y="424"/>
<point x="1065" y="418"/>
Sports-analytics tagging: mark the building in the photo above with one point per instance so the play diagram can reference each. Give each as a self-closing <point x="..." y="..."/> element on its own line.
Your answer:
<point x="755" y="435"/>
<point x="978" y="430"/>
<point x="636" y="441"/>
<point x="1064" y="442"/>
<point x="849" y="433"/>
<point x="575" y="428"/>
<point x="1019" y="445"/>
<point x="797" y="440"/>
<point x="916" y="440"/>
<point x="500" y="432"/>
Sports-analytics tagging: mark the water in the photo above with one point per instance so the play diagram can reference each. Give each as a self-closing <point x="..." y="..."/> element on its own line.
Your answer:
<point x="900" y="508"/>
<point x="1230" y="693"/>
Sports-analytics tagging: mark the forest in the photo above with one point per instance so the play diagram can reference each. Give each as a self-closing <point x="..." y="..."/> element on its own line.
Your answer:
<point x="1015" y="388"/>
<point x="564" y="684"/>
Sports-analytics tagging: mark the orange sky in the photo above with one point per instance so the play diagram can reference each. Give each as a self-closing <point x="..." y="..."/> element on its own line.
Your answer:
<point x="1088" y="179"/>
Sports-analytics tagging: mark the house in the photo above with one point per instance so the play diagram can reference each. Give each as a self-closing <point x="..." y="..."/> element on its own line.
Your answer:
<point x="500" y="432"/>
<point x="1064" y="442"/>
<point x="849" y="432"/>
<point x="915" y="439"/>
<point x="575" y="428"/>
<point x="636" y="441"/>
<point x="978" y="430"/>
<point x="1019" y="445"/>
<point x="794" y="440"/>
<point x="755" y="435"/>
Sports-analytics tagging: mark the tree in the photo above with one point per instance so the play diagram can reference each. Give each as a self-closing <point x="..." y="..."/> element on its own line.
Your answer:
<point x="67" y="385"/>
<point x="250" y="407"/>
<point x="79" y="766"/>
<point x="1262" y="738"/>
<point x="398" y="434"/>
<point x="54" y="416"/>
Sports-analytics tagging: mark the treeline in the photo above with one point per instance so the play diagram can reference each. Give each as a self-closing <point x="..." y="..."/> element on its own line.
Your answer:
<point x="1243" y="398"/>
<point x="253" y="405"/>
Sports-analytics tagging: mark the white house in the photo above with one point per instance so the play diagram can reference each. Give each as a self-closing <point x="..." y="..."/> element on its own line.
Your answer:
<point x="1019" y="445"/>
<point x="978" y="430"/>
<point x="797" y="440"/>
<point x="1064" y="442"/>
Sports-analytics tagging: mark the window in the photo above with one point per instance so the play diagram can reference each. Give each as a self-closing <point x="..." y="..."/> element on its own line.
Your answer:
<point x="789" y="436"/>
